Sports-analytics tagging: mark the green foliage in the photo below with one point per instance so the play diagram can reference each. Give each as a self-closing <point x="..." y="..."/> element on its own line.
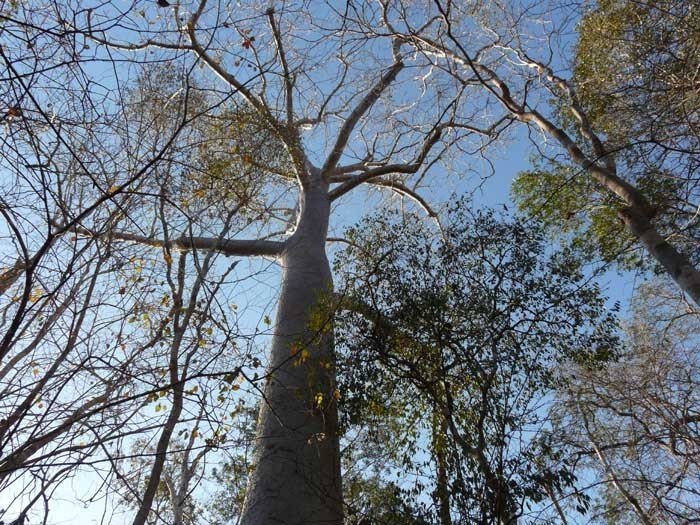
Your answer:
<point x="463" y="338"/>
<point x="576" y="212"/>
<point x="639" y="59"/>
<point x="376" y="502"/>
<point x="635" y="76"/>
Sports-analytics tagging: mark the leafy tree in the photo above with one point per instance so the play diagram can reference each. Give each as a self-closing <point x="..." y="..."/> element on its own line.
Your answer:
<point x="457" y="341"/>
<point x="518" y="62"/>
<point x="373" y="500"/>
<point x="634" y="76"/>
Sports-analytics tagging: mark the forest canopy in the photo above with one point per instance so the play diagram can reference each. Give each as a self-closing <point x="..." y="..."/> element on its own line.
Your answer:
<point x="248" y="273"/>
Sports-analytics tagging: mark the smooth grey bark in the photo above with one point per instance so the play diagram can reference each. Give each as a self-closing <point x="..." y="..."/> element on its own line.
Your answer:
<point x="675" y="263"/>
<point x="296" y="466"/>
<point x="638" y="216"/>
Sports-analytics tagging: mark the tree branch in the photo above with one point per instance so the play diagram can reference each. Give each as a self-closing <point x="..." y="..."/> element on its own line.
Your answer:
<point x="349" y="183"/>
<point x="365" y="104"/>
<point x="229" y="247"/>
<point x="288" y="79"/>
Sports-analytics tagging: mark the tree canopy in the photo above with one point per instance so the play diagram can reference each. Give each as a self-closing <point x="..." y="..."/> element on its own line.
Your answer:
<point x="453" y="348"/>
<point x="175" y="177"/>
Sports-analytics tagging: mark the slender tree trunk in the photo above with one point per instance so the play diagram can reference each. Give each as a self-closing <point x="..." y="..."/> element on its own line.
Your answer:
<point x="296" y="476"/>
<point x="674" y="262"/>
<point x="442" y="489"/>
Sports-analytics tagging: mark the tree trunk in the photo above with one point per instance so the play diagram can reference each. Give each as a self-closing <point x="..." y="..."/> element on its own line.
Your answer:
<point x="296" y="476"/>
<point x="674" y="262"/>
<point x="442" y="489"/>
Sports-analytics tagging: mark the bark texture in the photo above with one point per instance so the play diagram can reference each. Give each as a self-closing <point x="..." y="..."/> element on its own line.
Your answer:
<point x="296" y="476"/>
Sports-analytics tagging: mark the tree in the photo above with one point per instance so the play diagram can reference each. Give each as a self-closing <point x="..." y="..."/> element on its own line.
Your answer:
<point x="106" y="340"/>
<point x="375" y="134"/>
<point x="522" y="75"/>
<point x="634" y="424"/>
<point x="633" y="73"/>
<point x="454" y="346"/>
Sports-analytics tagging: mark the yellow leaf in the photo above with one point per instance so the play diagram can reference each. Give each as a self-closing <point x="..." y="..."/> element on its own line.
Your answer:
<point x="168" y="258"/>
<point x="113" y="189"/>
<point x="35" y="295"/>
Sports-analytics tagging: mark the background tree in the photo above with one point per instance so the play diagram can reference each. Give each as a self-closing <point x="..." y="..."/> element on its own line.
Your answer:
<point x="634" y="424"/>
<point x="520" y="59"/>
<point x="105" y="340"/>
<point x="458" y="342"/>
<point x="634" y="73"/>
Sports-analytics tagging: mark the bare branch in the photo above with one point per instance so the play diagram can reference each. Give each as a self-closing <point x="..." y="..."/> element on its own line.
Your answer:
<point x="349" y="125"/>
<point x="349" y="183"/>
<point x="229" y="247"/>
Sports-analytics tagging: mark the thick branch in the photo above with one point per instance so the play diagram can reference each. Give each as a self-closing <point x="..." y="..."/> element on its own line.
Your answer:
<point x="241" y="248"/>
<point x="486" y="76"/>
<point x="350" y="183"/>
<point x="349" y="125"/>
<point x="230" y="247"/>
<point x="578" y="112"/>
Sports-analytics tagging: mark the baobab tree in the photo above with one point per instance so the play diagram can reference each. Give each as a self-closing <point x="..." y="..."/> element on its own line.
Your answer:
<point x="348" y="112"/>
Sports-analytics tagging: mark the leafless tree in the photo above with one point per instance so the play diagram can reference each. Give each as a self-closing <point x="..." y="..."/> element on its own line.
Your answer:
<point x="635" y="423"/>
<point x="99" y="330"/>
